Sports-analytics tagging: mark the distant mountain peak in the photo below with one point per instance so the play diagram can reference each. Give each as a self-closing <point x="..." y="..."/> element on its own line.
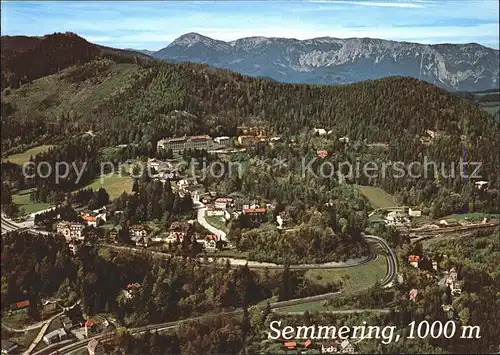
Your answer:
<point x="329" y="60"/>
<point x="192" y="38"/>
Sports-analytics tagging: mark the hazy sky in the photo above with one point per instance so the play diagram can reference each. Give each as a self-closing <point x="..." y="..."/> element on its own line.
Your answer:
<point x="152" y="25"/>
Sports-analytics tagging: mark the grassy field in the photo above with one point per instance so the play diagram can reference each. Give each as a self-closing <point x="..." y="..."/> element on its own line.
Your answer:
<point x="24" y="339"/>
<point x="377" y="197"/>
<point x="218" y="222"/>
<point x="358" y="279"/>
<point x="115" y="185"/>
<point x="24" y="157"/>
<point x="22" y="199"/>
<point x="314" y="306"/>
<point x="475" y="216"/>
<point x="53" y="95"/>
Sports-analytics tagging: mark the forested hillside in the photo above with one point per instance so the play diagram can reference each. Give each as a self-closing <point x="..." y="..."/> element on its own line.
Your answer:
<point x="125" y="104"/>
<point x="27" y="58"/>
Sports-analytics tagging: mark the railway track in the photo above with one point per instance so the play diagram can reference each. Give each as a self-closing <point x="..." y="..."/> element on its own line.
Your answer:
<point x="448" y="230"/>
<point x="385" y="282"/>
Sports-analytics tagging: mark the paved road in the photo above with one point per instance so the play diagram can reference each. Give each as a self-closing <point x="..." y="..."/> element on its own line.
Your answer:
<point x="41" y="333"/>
<point x="254" y="264"/>
<point x="46" y="325"/>
<point x="385" y="282"/>
<point x="342" y="311"/>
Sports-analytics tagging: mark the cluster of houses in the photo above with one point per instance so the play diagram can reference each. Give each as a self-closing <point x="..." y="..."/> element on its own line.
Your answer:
<point x="451" y="280"/>
<point x="64" y="324"/>
<point x="142" y="236"/>
<point x="92" y="218"/>
<point x="338" y="347"/>
<point x="162" y="170"/>
<point x="450" y="277"/>
<point x="72" y="232"/>
<point x="323" y="132"/>
<point x="398" y="218"/>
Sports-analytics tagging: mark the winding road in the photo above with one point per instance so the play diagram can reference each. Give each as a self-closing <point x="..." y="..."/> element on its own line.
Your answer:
<point x="385" y="282"/>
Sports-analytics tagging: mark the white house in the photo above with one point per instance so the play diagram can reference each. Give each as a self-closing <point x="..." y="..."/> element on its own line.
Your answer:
<point x="221" y="140"/>
<point x="320" y="131"/>
<point x="215" y="212"/>
<point x="70" y="230"/>
<point x="414" y="213"/>
<point x="481" y="184"/>
<point x="55" y="336"/>
<point x="220" y="205"/>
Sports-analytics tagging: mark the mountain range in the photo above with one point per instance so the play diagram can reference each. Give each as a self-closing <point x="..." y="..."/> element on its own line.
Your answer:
<point x="326" y="60"/>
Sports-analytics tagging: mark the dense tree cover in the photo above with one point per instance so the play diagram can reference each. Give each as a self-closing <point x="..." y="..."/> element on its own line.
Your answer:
<point x="217" y="335"/>
<point x="165" y="99"/>
<point x="153" y="200"/>
<point x="8" y="206"/>
<point x="28" y="58"/>
<point x="316" y="240"/>
<point x="172" y="287"/>
<point x="249" y="331"/>
<point x="33" y="267"/>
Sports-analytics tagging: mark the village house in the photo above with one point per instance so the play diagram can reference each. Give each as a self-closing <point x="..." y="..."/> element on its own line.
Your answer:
<point x="448" y="310"/>
<point x="175" y="237"/>
<point x="322" y="153"/>
<point x="139" y="235"/>
<point x="210" y="243"/>
<point x="206" y="199"/>
<point x="319" y="131"/>
<point x="95" y="325"/>
<point x="481" y="184"/>
<point x="344" y="139"/>
<point x="396" y="217"/>
<point x="412" y="295"/>
<point x="433" y="134"/>
<point x="451" y="280"/>
<point x="95" y="347"/>
<point x="114" y="233"/>
<point x="214" y="211"/>
<point x="222" y="140"/>
<point x="414" y="213"/>
<point x="254" y="211"/>
<point x="138" y="231"/>
<point x="132" y="290"/>
<point x="250" y="140"/>
<point x="413" y="260"/>
<point x="66" y="322"/>
<point x="70" y="230"/>
<point x="55" y="336"/>
<point x="338" y="347"/>
<point x="21" y="306"/>
<point x="89" y="220"/>
<point x="223" y="202"/>
<point x="180" y="226"/>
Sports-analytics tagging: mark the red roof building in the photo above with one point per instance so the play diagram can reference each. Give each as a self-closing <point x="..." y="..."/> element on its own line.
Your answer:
<point x="254" y="210"/>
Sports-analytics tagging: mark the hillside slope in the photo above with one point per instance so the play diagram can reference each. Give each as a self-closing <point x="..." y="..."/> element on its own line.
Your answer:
<point x="141" y="104"/>
<point x="27" y="58"/>
<point x="329" y="60"/>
